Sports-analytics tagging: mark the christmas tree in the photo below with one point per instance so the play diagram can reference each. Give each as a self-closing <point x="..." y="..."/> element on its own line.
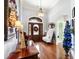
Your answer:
<point x="67" y="38"/>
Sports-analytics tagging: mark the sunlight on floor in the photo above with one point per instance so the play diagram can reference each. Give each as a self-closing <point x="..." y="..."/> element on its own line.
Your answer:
<point x="30" y="42"/>
<point x="38" y="48"/>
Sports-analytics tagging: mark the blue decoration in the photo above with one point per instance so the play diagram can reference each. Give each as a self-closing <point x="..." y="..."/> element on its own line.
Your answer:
<point x="67" y="36"/>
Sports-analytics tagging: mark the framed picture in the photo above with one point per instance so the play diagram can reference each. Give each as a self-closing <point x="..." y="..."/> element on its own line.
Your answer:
<point x="73" y="20"/>
<point x="73" y="12"/>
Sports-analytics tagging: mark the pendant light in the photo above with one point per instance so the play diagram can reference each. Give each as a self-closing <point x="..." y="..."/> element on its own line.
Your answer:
<point x="40" y="13"/>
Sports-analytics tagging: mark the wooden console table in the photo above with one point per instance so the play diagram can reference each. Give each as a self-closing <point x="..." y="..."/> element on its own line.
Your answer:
<point x="25" y="53"/>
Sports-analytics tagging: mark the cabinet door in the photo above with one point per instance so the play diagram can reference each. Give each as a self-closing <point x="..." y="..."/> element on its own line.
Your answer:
<point x="36" y="29"/>
<point x="36" y="32"/>
<point x="29" y="29"/>
<point x="41" y="31"/>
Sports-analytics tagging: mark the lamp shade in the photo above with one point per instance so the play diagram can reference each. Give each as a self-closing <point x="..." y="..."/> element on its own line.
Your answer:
<point x="21" y="26"/>
<point x="17" y="23"/>
<point x="40" y="13"/>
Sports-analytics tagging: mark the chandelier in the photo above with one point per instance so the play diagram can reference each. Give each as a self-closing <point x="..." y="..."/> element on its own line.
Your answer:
<point x="40" y="13"/>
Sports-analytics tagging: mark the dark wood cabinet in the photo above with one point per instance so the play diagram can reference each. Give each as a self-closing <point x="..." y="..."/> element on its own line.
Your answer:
<point x="36" y="31"/>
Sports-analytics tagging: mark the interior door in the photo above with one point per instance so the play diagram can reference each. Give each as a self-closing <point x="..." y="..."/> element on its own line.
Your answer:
<point x="60" y="31"/>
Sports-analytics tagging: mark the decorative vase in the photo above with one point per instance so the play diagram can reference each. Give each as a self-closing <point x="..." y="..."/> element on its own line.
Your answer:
<point x="67" y="51"/>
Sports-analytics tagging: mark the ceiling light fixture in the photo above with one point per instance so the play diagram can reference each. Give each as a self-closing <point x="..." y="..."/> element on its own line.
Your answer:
<point x="40" y="13"/>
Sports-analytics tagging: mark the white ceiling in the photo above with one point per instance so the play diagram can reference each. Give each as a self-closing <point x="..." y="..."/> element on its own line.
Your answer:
<point x="44" y="3"/>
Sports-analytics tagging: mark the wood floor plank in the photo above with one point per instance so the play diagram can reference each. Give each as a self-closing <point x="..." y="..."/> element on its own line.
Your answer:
<point x="49" y="51"/>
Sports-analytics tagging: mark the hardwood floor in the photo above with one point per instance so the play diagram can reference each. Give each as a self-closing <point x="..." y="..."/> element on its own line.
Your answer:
<point x="50" y="51"/>
<point x="45" y="51"/>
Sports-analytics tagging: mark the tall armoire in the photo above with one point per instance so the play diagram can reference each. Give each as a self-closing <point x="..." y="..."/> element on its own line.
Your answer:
<point x="35" y="29"/>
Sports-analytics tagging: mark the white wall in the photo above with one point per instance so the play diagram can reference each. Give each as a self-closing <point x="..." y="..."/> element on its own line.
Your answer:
<point x="63" y="7"/>
<point x="56" y="14"/>
<point x="27" y="12"/>
<point x="72" y="5"/>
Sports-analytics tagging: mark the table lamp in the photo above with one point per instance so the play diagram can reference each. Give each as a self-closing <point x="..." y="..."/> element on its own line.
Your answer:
<point x="19" y="27"/>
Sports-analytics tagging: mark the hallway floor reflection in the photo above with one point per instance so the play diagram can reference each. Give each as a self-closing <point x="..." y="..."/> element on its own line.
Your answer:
<point x="51" y="51"/>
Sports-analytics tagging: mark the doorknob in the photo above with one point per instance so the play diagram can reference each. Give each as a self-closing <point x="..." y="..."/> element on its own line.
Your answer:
<point x="57" y="36"/>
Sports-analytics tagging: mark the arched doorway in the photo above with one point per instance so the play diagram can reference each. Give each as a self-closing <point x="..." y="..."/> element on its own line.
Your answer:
<point x="35" y="29"/>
